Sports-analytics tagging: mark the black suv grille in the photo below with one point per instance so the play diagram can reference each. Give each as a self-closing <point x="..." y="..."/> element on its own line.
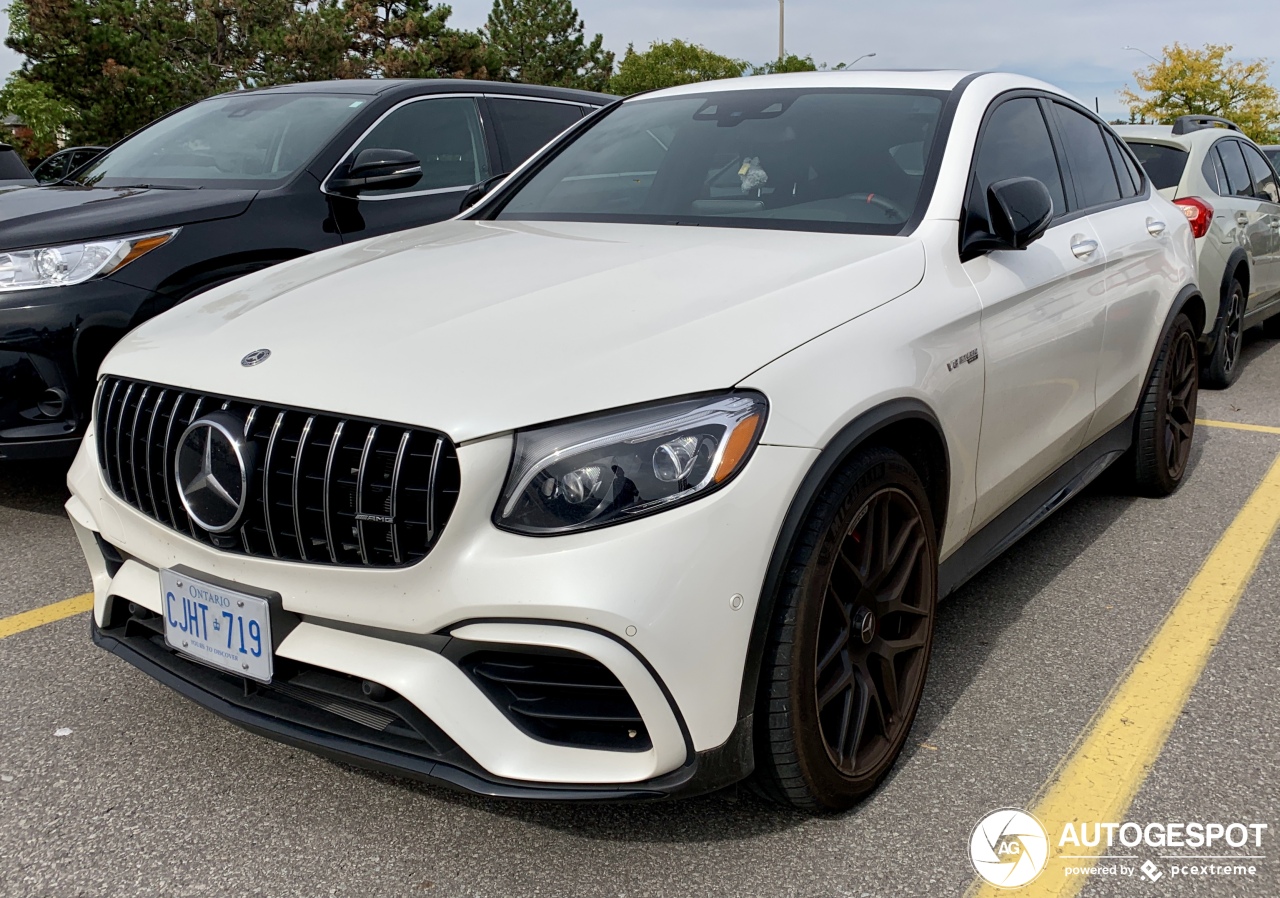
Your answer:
<point x="325" y="489"/>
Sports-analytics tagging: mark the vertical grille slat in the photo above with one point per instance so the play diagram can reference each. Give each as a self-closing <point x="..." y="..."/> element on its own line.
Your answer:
<point x="396" y="554"/>
<point x="327" y="488"/>
<point x="297" y="481"/>
<point x="361" y="484"/>
<point x="355" y="492"/>
<point x="267" y="469"/>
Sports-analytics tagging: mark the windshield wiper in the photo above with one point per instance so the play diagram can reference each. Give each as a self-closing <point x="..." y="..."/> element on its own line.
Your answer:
<point x="155" y="187"/>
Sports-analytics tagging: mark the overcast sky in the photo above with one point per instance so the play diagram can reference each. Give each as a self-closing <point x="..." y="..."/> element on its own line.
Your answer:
<point x="1076" y="45"/>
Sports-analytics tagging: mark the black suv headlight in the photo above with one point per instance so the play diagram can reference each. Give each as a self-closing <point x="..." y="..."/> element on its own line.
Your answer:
<point x="614" y="467"/>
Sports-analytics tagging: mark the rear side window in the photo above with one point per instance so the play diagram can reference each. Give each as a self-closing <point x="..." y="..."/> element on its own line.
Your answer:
<point x="526" y="126"/>
<point x="1087" y="155"/>
<point x="1164" y="165"/>
<point x="1214" y="173"/>
<point x="1264" y="179"/>
<point x="1015" y="144"/>
<point x="1238" y="182"/>
<point x="1126" y="173"/>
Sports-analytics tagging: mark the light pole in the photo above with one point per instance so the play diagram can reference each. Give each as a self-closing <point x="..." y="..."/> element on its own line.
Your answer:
<point x="782" y="29"/>
<point x="860" y="58"/>
<point x="1144" y="53"/>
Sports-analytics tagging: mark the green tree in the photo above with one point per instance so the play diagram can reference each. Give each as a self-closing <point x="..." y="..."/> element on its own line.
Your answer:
<point x="1190" y="81"/>
<point x="37" y="107"/>
<point x="791" y="63"/>
<point x="544" y="42"/>
<point x="668" y="63"/>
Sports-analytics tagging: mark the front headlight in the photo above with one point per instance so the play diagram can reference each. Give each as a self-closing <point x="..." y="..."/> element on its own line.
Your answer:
<point x="74" y="263"/>
<point x="615" y="467"/>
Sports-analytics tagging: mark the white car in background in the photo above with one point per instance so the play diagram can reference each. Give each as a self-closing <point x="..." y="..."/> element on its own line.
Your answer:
<point x="1228" y="190"/>
<point x="649" y="471"/>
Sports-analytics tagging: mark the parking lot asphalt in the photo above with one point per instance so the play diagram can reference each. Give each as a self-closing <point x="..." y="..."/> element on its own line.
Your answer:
<point x="145" y="794"/>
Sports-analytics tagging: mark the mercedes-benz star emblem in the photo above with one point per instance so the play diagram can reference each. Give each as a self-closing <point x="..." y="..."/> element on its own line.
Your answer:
<point x="212" y="467"/>
<point x="257" y="357"/>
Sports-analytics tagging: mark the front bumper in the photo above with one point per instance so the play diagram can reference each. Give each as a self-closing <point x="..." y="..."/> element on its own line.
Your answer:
<point x="655" y="601"/>
<point x="51" y="343"/>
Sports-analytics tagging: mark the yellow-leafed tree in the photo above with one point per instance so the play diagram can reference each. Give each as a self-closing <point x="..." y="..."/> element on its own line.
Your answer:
<point x="1190" y="81"/>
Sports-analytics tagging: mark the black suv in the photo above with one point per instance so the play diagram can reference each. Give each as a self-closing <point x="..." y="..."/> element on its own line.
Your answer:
<point x="224" y="187"/>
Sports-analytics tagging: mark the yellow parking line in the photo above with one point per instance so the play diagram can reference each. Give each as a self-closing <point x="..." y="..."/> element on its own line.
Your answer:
<point x="1099" y="779"/>
<point x="47" y="614"/>
<point x="1232" y="425"/>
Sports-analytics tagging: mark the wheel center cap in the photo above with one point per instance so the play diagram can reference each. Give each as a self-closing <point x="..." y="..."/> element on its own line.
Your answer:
<point x="864" y="624"/>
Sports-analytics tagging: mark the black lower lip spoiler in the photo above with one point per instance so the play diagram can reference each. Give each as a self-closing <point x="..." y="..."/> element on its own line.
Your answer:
<point x="166" y="668"/>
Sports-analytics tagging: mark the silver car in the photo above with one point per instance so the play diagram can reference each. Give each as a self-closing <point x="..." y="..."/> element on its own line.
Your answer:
<point x="1230" y="193"/>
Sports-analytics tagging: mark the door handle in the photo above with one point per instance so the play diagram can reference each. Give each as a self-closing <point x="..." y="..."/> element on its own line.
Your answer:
<point x="1275" y="224"/>
<point x="1155" y="228"/>
<point x="1242" y="218"/>
<point x="1083" y="249"/>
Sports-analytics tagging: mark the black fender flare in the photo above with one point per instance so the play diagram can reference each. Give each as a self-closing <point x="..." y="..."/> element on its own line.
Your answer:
<point x="1237" y="258"/>
<point x="832" y="457"/>
<point x="1185" y="295"/>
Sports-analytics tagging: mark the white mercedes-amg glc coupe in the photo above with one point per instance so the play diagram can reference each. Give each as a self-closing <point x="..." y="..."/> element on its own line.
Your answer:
<point x="647" y="472"/>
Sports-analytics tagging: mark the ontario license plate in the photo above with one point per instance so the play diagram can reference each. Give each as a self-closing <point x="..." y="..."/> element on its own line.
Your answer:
<point x="217" y="626"/>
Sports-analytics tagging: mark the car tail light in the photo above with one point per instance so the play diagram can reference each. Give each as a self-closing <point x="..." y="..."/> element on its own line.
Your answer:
<point x="1198" y="212"/>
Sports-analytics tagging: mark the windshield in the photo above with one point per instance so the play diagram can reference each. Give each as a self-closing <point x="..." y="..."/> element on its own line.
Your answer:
<point x="827" y="159"/>
<point x="249" y="140"/>
<point x="1164" y="164"/>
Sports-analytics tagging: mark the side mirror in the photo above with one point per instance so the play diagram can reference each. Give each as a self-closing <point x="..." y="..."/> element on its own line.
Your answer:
<point x="476" y="192"/>
<point x="379" y="169"/>
<point x="1020" y="210"/>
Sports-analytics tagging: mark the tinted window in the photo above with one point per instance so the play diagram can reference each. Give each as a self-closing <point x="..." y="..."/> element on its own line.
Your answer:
<point x="1264" y="179"/>
<point x="80" y="157"/>
<point x="1273" y="153"/>
<point x="443" y="134"/>
<point x="816" y="159"/>
<point x="1090" y="163"/>
<point x="1129" y="183"/>
<point x="1214" y="173"/>
<point x="52" y="169"/>
<point x="1164" y="165"/>
<point x="527" y="126"/>
<point x="1238" y="181"/>
<point x="247" y="138"/>
<point x="1015" y="144"/>
<point x="11" y="167"/>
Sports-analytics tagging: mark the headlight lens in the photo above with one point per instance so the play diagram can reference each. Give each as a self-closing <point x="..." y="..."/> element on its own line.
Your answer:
<point x="74" y="263"/>
<point x="619" y="466"/>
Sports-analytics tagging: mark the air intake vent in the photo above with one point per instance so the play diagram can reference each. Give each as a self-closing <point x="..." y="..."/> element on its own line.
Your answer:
<point x="567" y="699"/>
<point x="324" y="489"/>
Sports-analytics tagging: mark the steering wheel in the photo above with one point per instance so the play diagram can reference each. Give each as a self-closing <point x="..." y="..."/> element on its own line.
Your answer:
<point x="881" y="202"/>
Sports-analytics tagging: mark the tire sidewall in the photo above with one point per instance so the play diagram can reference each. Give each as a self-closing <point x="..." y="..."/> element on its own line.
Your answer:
<point x="870" y="473"/>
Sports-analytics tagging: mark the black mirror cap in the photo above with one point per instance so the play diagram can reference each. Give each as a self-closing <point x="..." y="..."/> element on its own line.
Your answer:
<point x="476" y="192"/>
<point x="379" y="169"/>
<point x="1020" y="210"/>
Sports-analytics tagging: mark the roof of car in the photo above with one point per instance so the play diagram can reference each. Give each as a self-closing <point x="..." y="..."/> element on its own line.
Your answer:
<point x="415" y="86"/>
<point x="1164" y="134"/>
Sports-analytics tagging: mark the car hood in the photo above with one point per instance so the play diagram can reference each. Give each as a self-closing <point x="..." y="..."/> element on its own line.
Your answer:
<point x="43" y="216"/>
<point x="476" y="328"/>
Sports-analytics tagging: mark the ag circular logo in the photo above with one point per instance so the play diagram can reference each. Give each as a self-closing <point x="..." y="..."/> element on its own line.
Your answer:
<point x="257" y="357"/>
<point x="1008" y="848"/>
<point x="212" y="471"/>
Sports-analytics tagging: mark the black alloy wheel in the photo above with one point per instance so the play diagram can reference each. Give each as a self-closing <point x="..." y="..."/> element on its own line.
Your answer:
<point x="848" y="651"/>
<point x="1223" y="366"/>
<point x="1167" y="414"/>
<point x="873" y="634"/>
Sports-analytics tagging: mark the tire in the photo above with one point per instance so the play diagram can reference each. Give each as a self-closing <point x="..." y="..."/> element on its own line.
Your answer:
<point x="1167" y="414"/>
<point x="1223" y="366"/>
<point x="832" y="719"/>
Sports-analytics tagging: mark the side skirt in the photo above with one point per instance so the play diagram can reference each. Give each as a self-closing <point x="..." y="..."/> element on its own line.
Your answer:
<point x="1044" y="499"/>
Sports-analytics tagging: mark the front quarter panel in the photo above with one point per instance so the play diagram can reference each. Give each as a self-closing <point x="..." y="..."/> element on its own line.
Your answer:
<point x="923" y="346"/>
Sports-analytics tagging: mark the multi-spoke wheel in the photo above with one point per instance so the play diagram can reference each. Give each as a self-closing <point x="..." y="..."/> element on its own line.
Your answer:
<point x="1223" y="367"/>
<point x="849" y="650"/>
<point x="1167" y="416"/>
